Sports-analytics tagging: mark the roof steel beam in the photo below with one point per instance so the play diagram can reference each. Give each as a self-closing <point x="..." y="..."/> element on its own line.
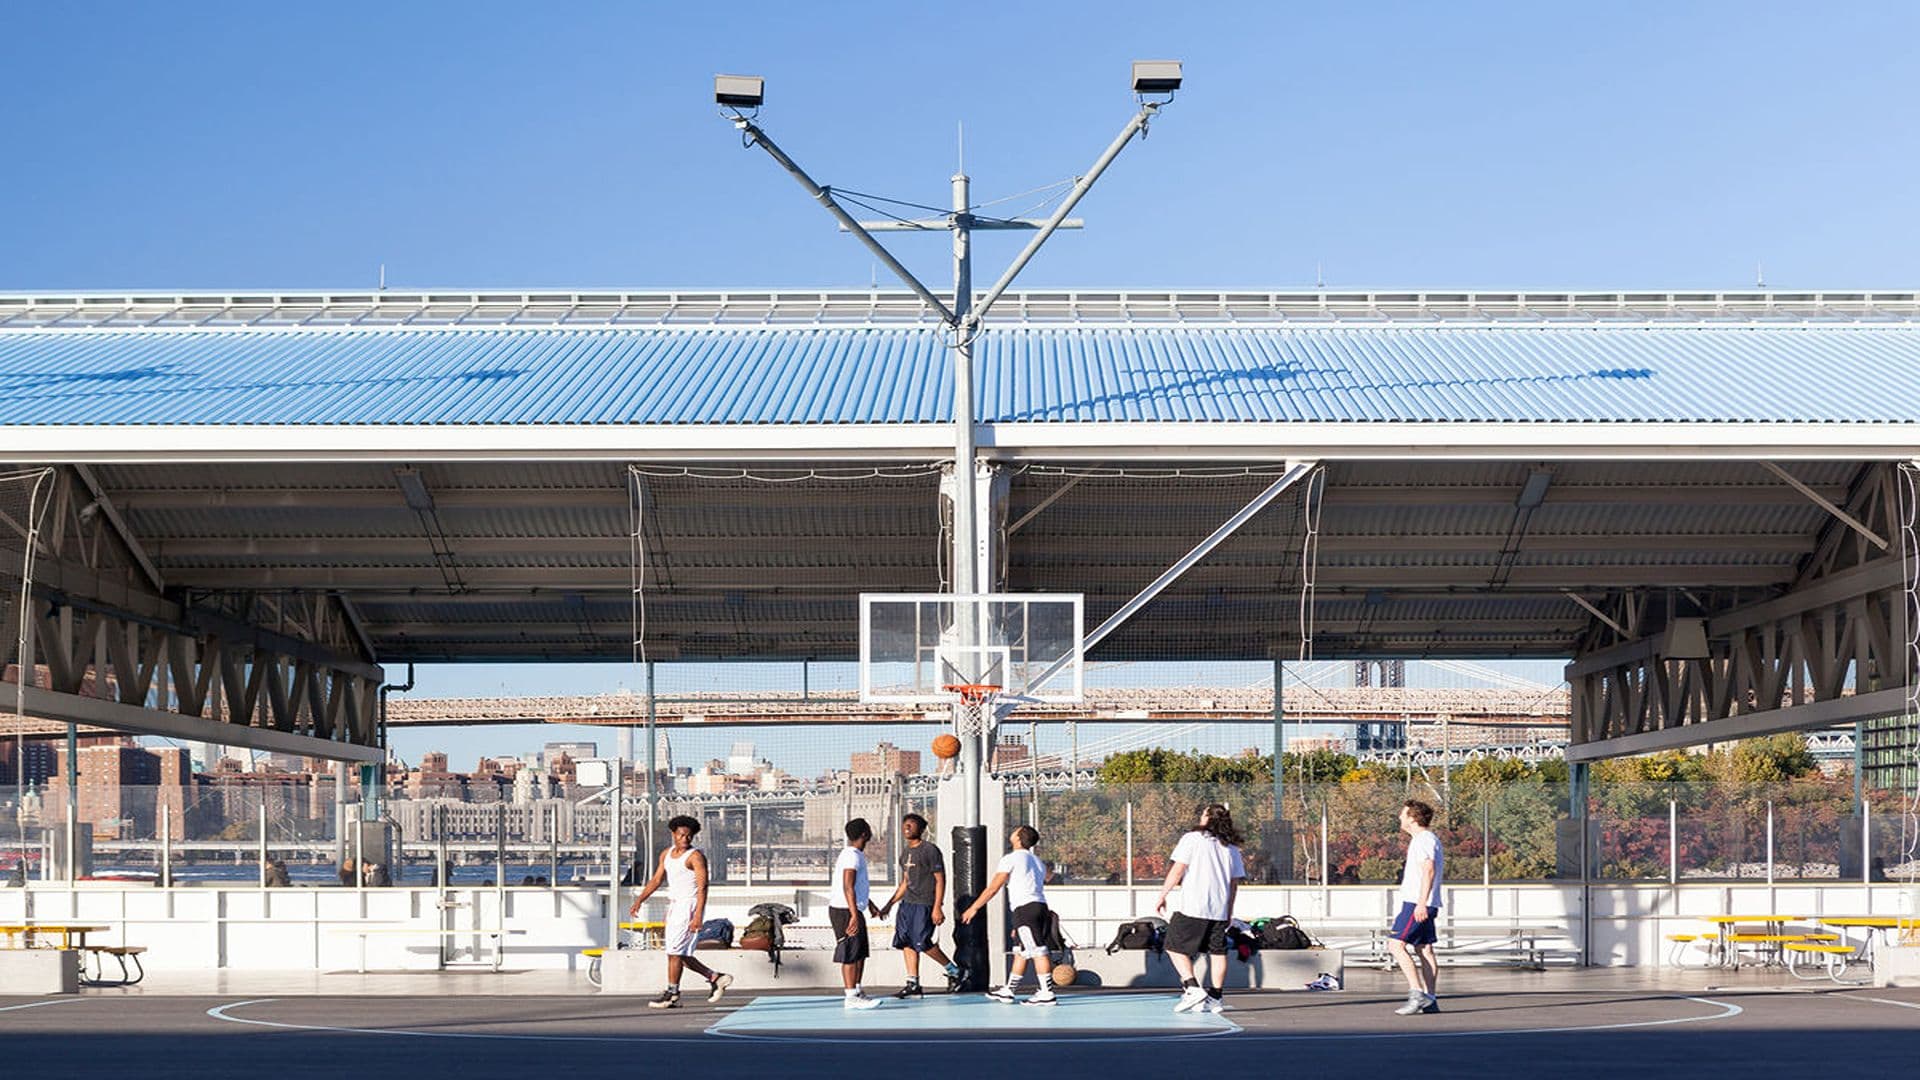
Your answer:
<point x="1828" y="505"/>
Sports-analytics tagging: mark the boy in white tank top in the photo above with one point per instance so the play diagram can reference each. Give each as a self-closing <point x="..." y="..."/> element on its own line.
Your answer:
<point x="683" y="869"/>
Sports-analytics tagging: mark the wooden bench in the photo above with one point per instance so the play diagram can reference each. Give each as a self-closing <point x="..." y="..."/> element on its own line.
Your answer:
<point x="121" y="954"/>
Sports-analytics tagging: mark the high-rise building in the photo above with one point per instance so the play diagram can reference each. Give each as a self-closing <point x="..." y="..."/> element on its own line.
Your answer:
<point x="38" y="756"/>
<point x="575" y="751"/>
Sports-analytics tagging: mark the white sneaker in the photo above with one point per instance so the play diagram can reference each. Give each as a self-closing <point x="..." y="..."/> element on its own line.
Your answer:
<point x="1044" y="997"/>
<point x="1190" y="999"/>
<point x="1003" y="995"/>
<point x="1214" y="1005"/>
<point x="718" y="987"/>
<point x="860" y="1001"/>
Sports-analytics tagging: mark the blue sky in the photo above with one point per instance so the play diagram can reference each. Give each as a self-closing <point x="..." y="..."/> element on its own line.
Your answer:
<point x="1637" y="145"/>
<point x="488" y="144"/>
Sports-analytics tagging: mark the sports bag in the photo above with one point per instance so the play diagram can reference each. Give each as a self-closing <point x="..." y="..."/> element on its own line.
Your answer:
<point x="1148" y="933"/>
<point x="1281" y="933"/>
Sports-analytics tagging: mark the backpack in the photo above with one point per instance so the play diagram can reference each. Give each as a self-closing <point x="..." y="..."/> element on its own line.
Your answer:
<point x="1281" y="933"/>
<point x="1148" y="933"/>
<point x="1055" y="936"/>
<point x="715" y="934"/>
<point x="765" y="930"/>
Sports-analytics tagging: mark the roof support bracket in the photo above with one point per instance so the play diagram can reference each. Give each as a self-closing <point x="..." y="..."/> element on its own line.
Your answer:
<point x="1828" y="505"/>
<point x="1296" y="471"/>
<point x="1594" y="610"/>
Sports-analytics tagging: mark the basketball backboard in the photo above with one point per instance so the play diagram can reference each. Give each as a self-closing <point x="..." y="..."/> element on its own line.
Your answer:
<point x="914" y="646"/>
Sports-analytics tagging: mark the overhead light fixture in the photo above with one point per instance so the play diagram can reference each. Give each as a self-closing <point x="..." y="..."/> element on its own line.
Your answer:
<point x="1156" y="76"/>
<point x="739" y="91"/>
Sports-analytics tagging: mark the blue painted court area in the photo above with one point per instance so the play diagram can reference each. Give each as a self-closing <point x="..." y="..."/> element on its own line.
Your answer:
<point x="971" y="1015"/>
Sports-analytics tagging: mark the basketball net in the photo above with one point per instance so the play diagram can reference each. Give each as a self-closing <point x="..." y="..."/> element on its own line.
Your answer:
<point x="970" y="715"/>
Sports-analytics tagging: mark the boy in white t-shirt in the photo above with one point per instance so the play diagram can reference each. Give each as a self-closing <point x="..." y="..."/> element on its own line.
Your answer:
<point x="1207" y="868"/>
<point x="1413" y="928"/>
<point x="1024" y="877"/>
<point x="847" y="912"/>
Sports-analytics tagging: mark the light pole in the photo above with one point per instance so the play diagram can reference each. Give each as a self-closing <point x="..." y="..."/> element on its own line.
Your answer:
<point x="1154" y="83"/>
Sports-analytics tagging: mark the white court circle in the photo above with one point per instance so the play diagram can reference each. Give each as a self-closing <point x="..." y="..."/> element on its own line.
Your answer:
<point x="1727" y="1011"/>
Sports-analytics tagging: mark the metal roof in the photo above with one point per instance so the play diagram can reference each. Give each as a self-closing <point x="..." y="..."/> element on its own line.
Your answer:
<point x="725" y="375"/>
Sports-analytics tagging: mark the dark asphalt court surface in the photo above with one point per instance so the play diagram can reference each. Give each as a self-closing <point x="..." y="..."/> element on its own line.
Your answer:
<point x="1621" y="1035"/>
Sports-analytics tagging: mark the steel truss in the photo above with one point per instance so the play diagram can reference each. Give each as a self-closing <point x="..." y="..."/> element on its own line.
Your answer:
<point x="1829" y="650"/>
<point x="112" y="646"/>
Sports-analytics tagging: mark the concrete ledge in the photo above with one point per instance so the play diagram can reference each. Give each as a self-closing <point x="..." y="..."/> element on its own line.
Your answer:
<point x="1896" y="965"/>
<point x="40" y="971"/>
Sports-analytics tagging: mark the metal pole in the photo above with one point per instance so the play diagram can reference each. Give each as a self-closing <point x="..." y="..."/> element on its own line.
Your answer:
<point x="166" y="846"/>
<point x="1080" y="188"/>
<point x="553" y="846"/>
<point x="73" y="798"/>
<point x="653" y="766"/>
<point x="1279" y="739"/>
<point x="614" y="845"/>
<point x="1673" y="841"/>
<point x="1769" y="841"/>
<point x="1866" y="845"/>
<point x="749" y="841"/>
<point x="1486" y="838"/>
<point x="1326" y="871"/>
<point x="965" y="541"/>
<point x="1132" y="907"/>
<point x="263" y="837"/>
<point x="1073" y="762"/>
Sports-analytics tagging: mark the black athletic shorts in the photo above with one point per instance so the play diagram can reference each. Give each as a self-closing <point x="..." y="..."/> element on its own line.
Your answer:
<point x="1032" y="919"/>
<point x="848" y="948"/>
<point x="1188" y="936"/>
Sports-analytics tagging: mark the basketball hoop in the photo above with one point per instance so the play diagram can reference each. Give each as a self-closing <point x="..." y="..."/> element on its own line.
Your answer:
<point x="970" y="719"/>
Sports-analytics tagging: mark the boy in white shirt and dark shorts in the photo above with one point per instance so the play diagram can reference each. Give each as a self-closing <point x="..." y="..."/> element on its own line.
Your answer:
<point x="1413" y="928"/>
<point x="1207" y="869"/>
<point x="847" y="911"/>
<point x="1024" y="877"/>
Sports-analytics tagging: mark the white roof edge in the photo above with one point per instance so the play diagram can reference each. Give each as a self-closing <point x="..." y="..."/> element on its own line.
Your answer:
<point x="1211" y="441"/>
<point x="136" y="309"/>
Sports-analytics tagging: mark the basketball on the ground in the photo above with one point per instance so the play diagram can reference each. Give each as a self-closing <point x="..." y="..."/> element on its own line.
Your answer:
<point x="946" y="746"/>
<point x="1063" y="974"/>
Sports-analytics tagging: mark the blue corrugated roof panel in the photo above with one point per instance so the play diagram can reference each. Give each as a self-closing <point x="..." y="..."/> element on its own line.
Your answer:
<point x="848" y="375"/>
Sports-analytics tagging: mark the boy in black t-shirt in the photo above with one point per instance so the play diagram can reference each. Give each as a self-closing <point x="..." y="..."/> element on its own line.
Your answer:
<point x="922" y="891"/>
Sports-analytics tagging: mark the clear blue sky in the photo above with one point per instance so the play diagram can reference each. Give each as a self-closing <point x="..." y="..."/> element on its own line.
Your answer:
<point x="1640" y="145"/>
<point x="230" y="145"/>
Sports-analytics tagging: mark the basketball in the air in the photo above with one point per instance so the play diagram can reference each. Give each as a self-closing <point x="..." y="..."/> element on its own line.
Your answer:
<point x="946" y="746"/>
<point x="1063" y="974"/>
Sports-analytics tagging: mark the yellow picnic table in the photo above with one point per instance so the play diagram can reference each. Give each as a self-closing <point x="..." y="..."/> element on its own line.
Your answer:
<point x="1892" y="926"/>
<point x="68" y="933"/>
<point x="1773" y="933"/>
<point x="653" y="935"/>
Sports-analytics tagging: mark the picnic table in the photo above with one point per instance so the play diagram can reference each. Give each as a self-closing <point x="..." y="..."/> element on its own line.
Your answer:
<point x="68" y="932"/>
<point x="1876" y="927"/>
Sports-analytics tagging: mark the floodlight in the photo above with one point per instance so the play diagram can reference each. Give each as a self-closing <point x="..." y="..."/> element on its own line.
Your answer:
<point x="1156" y="76"/>
<point x="742" y="91"/>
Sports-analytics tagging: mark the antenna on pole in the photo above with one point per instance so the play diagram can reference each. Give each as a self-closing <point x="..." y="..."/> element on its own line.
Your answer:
<point x="1759" y="276"/>
<point x="1319" y="277"/>
<point x="383" y="277"/>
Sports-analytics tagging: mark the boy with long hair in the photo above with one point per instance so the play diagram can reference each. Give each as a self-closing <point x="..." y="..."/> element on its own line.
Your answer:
<point x="1207" y="868"/>
<point x="1413" y="929"/>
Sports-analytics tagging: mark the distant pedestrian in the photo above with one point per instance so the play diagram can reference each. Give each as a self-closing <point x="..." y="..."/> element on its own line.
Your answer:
<point x="1207" y="868"/>
<point x="276" y="875"/>
<point x="1413" y="928"/>
<point x="921" y="894"/>
<point x="683" y="869"/>
<point x="1023" y="875"/>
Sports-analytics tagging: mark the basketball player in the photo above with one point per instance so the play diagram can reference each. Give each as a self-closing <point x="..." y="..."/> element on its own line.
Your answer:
<point x="683" y="868"/>
<point x="921" y="893"/>
<point x="1023" y="875"/>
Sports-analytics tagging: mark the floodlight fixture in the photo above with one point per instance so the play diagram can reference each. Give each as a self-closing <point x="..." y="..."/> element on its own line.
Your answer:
<point x="1156" y="76"/>
<point x="740" y="91"/>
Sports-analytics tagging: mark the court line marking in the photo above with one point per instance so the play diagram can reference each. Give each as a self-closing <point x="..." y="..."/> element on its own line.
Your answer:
<point x="37" y="1004"/>
<point x="1728" y="1010"/>
<point x="219" y="1012"/>
<point x="923" y="1038"/>
<point x="1890" y="1001"/>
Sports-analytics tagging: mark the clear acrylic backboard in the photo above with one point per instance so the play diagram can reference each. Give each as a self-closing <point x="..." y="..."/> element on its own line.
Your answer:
<point x="915" y="646"/>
